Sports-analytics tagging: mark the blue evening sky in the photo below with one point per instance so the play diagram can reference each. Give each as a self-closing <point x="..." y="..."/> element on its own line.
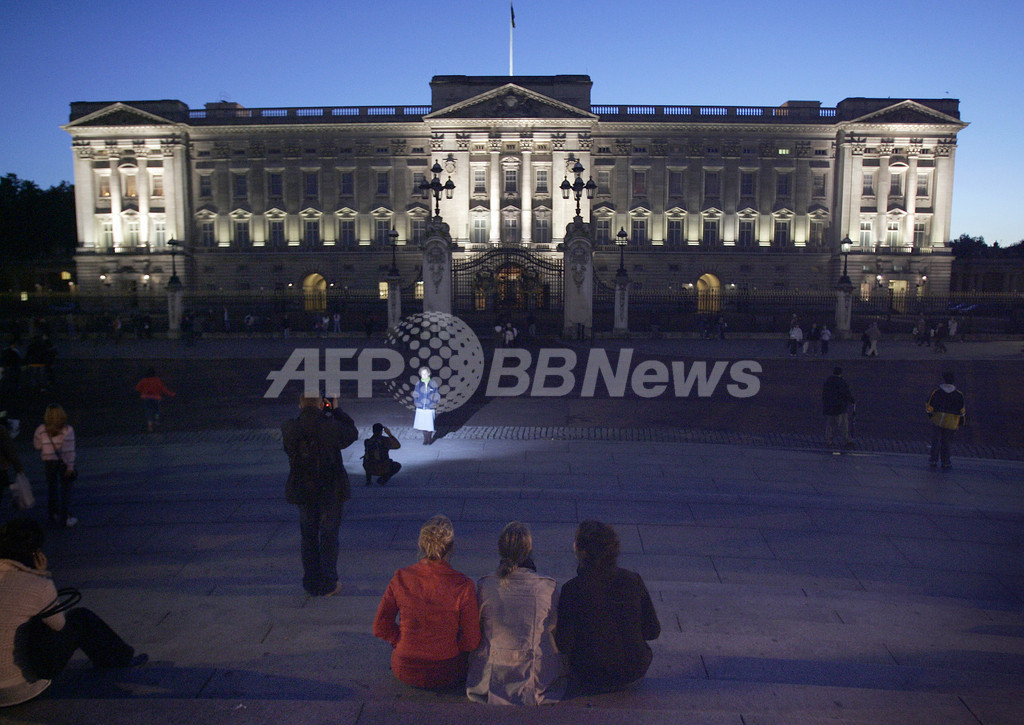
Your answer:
<point x="730" y="52"/>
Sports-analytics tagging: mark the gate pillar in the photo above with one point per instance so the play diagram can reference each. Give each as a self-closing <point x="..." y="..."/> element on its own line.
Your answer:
<point x="437" y="268"/>
<point x="578" y="284"/>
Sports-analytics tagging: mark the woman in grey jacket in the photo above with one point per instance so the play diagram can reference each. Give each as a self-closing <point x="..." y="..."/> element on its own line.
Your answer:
<point x="517" y="662"/>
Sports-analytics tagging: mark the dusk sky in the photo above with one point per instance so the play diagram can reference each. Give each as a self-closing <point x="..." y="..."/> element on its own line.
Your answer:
<point x="732" y="52"/>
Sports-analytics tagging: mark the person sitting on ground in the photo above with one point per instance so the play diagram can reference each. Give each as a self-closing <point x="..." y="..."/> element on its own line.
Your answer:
<point x="605" y="616"/>
<point x="377" y="456"/>
<point x="26" y="589"/>
<point x="517" y="662"/>
<point x="439" y="620"/>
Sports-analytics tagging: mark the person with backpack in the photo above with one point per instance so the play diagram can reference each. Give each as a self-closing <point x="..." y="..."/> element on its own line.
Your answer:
<point x="377" y="455"/>
<point x="948" y="412"/>
<point x="318" y="485"/>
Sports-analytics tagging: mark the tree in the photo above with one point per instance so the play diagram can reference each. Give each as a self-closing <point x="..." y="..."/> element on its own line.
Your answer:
<point x="36" y="223"/>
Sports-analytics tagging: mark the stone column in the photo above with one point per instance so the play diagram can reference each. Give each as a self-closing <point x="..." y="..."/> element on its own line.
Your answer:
<point x="394" y="300"/>
<point x="175" y="306"/>
<point x="844" y="307"/>
<point x="526" y="234"/>
<point x="437" y="268"/>
<point x="578" y="280"/>
<point x="497" y="182"/>
<point x="622" y="285"/>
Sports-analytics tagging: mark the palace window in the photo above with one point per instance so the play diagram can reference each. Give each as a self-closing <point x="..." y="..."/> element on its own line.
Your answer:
<point x="159" y="233"/>
<point x="310" y="184"/>
<point x="311" y="232"/>
<point x="131" y="233"/>
<point x="920" y="234"/>
<point x="157" y="181"/>
<point x="107" y="234"/>
<point x="818" y="188"/>
<point x="783" y="185"/>
<point x="639" y="183"/>
<point x="896" y="185"/>
<point x="383" y="183"/>
<point x="892" y="233"/>
<point x="603" y="231"/>
<point x="345" y="183"/>
<point x="709" y="233"/>
<point x="382" y="232"/>
<point x="817" y="233"/>
<point x="868" y="188"/>
<point x="542" y="181"/>
<point x="418" y="180"/>
<point x="711" y="184"/>
<point x="675" y="233"/>
<point x="748" y="183"/>
<point x="604" y="182"/>
<point x="866" y="235"/>
<point x="480" y="231"/>
<point x="511" y="181"/>
<point x="206" y="235"/>
<point x="542" y="228"/>
<point x="479" y="181"/>
<point x="347" y="232"/>
<point x="131" y="190"/>
<point x="277" y="232"/>
<point x="923" y="180"/>
<point x="103" y="187"/>
<point x="241" y="186"/>
<point x="241" y="232"/>
<point x="205" y="186"/>
<point x="275" y="185"/>
<point x="746" y="237"/>
<point x="675" y="183"/>
<point x="781" y="237"/>
<point x="638" y="235"/>
<point x="418" y="229"/>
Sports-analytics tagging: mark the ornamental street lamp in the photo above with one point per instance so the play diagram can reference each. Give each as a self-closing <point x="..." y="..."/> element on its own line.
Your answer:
<point x="621" y="239"/>
<point x="578" y="187"/>
<point x="845" y="246"/>
<point x="174" y="244"/>
<point x="436" y="188"/>
<point x="393" y="235"/>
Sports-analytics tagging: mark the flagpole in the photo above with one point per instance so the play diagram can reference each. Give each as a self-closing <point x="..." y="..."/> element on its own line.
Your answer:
<point x="511" y="27"/>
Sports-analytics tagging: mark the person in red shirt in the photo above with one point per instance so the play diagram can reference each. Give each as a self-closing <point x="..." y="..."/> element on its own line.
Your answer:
<point x="152" y="390"/>
<point x="439" y="619"/>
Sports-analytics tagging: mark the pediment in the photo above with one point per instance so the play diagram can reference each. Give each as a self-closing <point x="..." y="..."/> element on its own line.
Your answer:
<point x="119" y="114"/>
<point x="908" y="112"/>
<point x="510" y="101"/>
<point x="418" y="208"/>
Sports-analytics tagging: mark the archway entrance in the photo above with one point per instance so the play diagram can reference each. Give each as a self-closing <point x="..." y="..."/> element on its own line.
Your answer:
<point x="314" y="293"/>
<point x="709" y="293"/>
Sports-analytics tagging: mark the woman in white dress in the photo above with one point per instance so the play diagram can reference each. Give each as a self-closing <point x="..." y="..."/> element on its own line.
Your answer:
<point x="517" y="662"/>
<point x="425" y="397"/>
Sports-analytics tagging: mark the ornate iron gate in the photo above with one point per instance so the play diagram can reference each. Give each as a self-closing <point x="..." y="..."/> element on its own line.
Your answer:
<point x="507" y="283"/>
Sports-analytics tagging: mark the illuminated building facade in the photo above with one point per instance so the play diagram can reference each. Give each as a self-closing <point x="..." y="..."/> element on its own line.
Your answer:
<point x="722" y="197"/>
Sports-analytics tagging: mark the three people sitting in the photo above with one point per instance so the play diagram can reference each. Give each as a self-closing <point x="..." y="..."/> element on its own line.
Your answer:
<point x="526" y="643"/>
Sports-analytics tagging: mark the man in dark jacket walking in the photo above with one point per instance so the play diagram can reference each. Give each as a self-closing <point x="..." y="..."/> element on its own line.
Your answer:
<point x="318" y="484"/>
<point x="947" y="411"/>
<point x="837" y="403"/>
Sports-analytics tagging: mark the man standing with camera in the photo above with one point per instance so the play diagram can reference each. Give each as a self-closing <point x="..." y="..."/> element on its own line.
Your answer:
<point x="318" y="485"/>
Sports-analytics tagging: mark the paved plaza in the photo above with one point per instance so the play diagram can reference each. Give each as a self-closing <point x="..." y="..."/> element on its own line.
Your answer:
<point x="793" y="585"/>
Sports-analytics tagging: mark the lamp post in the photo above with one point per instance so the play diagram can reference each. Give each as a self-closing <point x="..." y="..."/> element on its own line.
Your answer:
<point x="578" y="187"/>
<point x="175" y="294"/>
<point x="621" y="240"/>
<point x="845" y="246"/>
<point x="435" y="187"/>
<point x="174" y="244"/>
<point x="393" y="236"/>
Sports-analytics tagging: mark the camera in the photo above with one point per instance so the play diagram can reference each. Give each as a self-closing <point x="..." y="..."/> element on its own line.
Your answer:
<point x="328" y="405"/>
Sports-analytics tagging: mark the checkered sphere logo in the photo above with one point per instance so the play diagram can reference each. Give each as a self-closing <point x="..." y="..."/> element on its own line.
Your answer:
<point x="446" y="345"/>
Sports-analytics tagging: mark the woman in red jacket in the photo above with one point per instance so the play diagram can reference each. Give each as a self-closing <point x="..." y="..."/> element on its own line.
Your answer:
<point x="152" y="390"/>
<point x="439" y="620"/>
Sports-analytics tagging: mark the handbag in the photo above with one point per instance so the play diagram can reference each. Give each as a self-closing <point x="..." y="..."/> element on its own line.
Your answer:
<point x="67" y="475"/>
<point x="38" y="640"/>
<point x="21" y="490"/>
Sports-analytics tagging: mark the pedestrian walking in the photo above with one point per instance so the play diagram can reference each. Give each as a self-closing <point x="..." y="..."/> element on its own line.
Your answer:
<point x="947" y="411"/>
<point x="826" y="338"/>
<point x="152" y="390"/>
<point x="318" y="485"/>
<point x="940" y="337"/>
<point x="796" y="337"/>
<point x="873" y="335"/>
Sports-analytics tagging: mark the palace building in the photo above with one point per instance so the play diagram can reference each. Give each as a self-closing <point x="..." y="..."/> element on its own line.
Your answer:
<point x="322" y="199"/>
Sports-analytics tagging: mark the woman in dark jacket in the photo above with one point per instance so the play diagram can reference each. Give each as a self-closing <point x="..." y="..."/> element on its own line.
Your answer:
<point x="605" y="616"/>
